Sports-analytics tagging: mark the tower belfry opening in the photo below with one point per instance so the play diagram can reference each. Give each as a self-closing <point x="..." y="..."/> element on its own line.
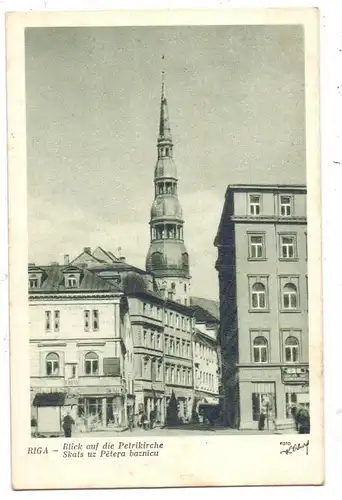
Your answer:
<point x="167" y="257"/>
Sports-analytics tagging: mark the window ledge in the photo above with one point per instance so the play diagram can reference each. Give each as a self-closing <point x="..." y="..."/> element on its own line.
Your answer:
<point x="259" y="310"/>
<point x="251" y="259"/>
<point x="286" y="311"/>
<point x="292" y="259"/>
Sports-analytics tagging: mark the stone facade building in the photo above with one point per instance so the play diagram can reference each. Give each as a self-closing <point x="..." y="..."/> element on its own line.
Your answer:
<point x="262" y="267"/>
<point x="206" y="358"/>
<point x="162" y="335"/>
<point x="81" y="349"/>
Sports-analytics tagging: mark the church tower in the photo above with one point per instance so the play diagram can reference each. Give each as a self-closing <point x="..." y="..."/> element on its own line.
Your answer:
<point x="167" y="257"/>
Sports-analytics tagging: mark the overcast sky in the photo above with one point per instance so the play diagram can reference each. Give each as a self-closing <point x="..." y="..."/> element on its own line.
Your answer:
<point x="236" y="104"/>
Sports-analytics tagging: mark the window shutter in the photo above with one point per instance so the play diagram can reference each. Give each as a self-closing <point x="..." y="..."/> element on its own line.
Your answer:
<point x="111" y="367"/>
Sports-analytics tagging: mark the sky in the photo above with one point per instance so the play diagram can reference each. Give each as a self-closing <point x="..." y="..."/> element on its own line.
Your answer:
<point x="237" y="113"/>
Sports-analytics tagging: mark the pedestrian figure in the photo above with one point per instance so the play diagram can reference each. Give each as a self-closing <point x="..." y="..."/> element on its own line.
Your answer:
<point x="130" y="421"/>
<point x="152" y="418"/>
<point x="262" y="418"/>
<point x="303" y="421"/>
<point x="68" y="422"/>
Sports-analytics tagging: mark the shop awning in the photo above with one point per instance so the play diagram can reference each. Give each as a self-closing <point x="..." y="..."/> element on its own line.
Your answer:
<point x="49" y="399"/>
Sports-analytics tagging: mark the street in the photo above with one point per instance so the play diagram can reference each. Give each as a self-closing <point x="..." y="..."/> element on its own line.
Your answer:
<point x="137" y="432"/>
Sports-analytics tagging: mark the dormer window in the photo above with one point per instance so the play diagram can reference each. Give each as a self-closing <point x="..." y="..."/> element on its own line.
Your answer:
<point x="71" y="281"/>
<point x="34" y="281"/>
<point x="72" y="276"/>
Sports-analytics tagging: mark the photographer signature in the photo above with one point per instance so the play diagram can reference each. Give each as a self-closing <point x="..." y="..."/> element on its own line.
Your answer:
<point x="292" y="448"/>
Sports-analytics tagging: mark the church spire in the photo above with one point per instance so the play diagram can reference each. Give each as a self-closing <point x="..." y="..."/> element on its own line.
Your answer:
<point x="167" y="257"/>
<point x="164" y="122"/>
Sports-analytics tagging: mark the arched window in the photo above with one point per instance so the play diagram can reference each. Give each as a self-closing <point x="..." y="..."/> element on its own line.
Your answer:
<point x="71" y="281"/>
<point x="260" y="350"/>
<point x="258" y="296"/>
<point x="290" y="296"/>
<point x="185" y="258"/>
<point x="52" y="364"/>
<point x="91" y="363"/>
<point x="291" y="350"/>
<point x="157" y="260"/>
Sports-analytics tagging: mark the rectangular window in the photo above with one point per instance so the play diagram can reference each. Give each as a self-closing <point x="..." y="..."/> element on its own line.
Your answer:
<point x="171" y="319"/>
<point x="47" y="321"/>
<point x="152" y="340"/>
<point x="177" y="321"/>
<point x="145" y="338"/>
<point x="56" y="325"/>
<point x="254" y="204"/>
<point x="256" y="246"/>
<point x="263" y="407"/>
<point x="288" y="247"/>
<point x="285" y="205"/>
<point x="86" y="320"/>
<point x="158" y="341"/>
<point x="95" y="319"/>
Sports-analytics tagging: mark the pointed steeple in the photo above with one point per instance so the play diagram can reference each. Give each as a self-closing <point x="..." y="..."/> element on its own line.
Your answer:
<point x="167" y="257"/>
<point x="164" y="122"/>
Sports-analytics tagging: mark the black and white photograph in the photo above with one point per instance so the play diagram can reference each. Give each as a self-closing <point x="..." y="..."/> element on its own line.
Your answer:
<point x="167" y="196"/>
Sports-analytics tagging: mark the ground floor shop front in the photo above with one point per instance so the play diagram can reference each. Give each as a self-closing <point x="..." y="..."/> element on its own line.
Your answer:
<point x="154" y="404"/>
<point x="269" y="397"/>
<point x="90" y="410"/>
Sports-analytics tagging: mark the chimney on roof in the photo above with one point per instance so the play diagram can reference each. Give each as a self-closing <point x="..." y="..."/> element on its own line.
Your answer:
<point x="66" y="259"/>
<point x="87" y="250"/>
<point x="123" y="259"/>
<point x="32" y="264"/>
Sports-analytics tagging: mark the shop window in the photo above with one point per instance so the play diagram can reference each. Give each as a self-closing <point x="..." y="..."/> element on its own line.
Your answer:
<point x="263" y="403"/>
<point x="291" y="400"/>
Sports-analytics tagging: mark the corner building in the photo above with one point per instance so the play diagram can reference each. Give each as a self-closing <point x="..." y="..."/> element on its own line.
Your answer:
<point x="262" y="267"/>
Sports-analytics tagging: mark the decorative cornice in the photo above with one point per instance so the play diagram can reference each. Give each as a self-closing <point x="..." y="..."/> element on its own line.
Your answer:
<point x="59" y="296"/>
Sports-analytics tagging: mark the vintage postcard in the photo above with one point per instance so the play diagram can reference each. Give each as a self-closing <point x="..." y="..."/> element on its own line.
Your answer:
<point x="165" y="248"/>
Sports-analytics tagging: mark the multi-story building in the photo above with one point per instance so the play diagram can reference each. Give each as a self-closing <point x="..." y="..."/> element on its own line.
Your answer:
<point x="205" y="356"/>
<point x="262" y="267"/>
<point x="162" y="335"/>
<point x="81" y="348"/>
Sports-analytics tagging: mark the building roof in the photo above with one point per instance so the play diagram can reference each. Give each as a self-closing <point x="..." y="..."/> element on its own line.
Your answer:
<point x="53" y="280"/>
<point x="267" y="187"/>
<point x="206" y="310"/>
<point x="205" y="339"/>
